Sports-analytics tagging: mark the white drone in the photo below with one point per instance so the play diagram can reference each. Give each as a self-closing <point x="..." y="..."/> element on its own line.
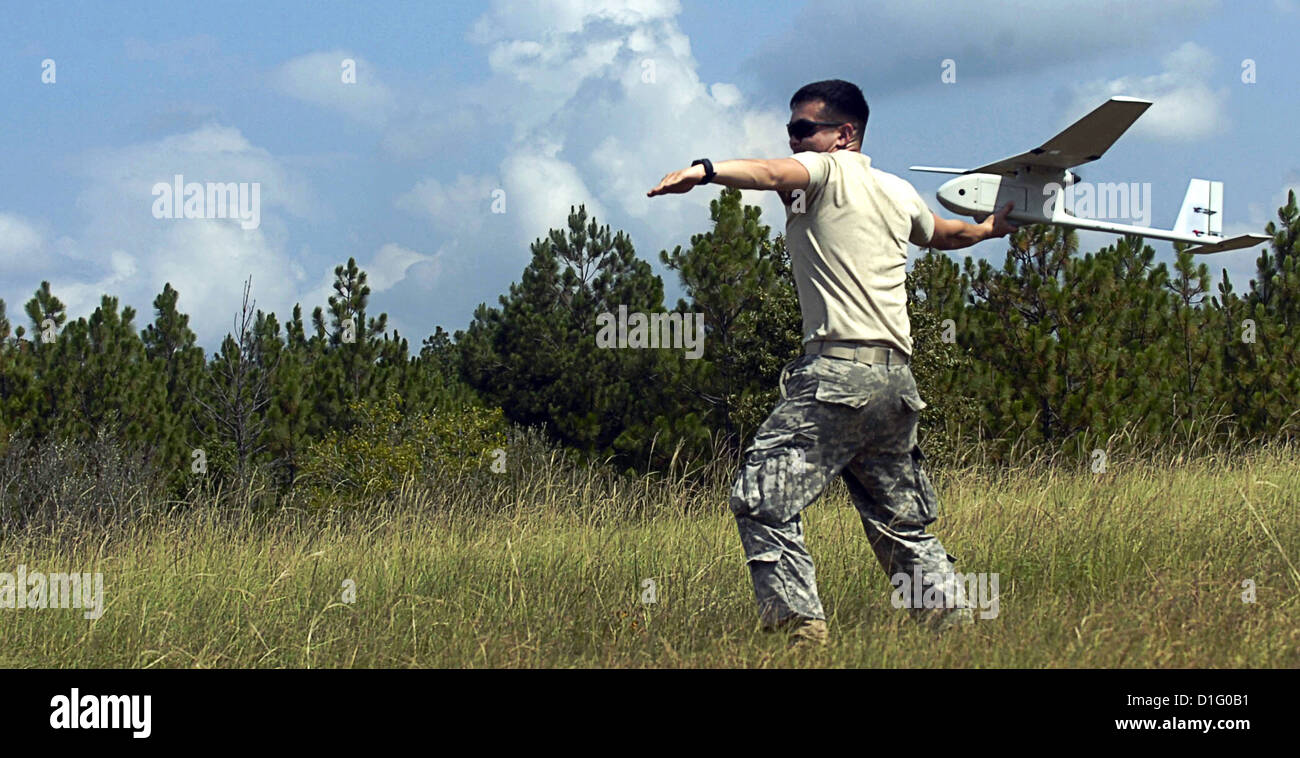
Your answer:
<point x="1034" y="182"/>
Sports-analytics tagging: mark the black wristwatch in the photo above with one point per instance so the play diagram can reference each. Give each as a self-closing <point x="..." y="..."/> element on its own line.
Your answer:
<point x="708" y="169"/>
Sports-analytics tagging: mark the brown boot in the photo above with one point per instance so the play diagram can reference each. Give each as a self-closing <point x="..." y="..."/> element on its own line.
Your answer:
<point x="941" y="622"/>
<point x="800" y="630"/>
<point x="808" y="631"/>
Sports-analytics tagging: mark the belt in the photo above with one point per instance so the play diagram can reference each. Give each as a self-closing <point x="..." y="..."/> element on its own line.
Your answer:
<point x="856" y="351"/>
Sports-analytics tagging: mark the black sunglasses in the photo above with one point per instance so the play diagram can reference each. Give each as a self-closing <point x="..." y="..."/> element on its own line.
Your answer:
<point x="803" y="128"/>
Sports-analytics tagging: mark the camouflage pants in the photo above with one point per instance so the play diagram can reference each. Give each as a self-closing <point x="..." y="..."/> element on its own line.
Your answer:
<point x="838" y="417"/>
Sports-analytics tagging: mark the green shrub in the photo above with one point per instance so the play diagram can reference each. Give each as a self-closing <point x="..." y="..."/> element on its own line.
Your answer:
<point x="387" y="447"/>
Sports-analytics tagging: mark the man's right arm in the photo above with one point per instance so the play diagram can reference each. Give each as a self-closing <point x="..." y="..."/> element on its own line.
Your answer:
<point x="950" y="234"/>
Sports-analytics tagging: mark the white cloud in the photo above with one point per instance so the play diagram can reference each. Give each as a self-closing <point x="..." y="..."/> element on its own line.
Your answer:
<point x="390" y="264"/>
<point x="319" y="78"/>
<point x="435" y="127"/>
<point x="1185" y="106"/>
<point x="456" y="207"/>
<point x="606" y="99"/>
<point x="542" y="188"/>
<point x="20" y="243"/>
<point x="125" y="252"/>
<point x="510" y="19"/>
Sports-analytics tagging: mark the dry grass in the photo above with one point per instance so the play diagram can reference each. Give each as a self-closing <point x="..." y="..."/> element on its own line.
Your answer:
<point x="1141" y="566"/>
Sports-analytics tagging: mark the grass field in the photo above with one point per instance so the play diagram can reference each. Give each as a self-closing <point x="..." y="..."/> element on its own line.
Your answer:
<point x="1142" y="566"/>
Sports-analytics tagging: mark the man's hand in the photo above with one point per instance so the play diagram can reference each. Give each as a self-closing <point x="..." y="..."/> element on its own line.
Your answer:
<point x="997" y="224"/>
<point x="679" y="181"/>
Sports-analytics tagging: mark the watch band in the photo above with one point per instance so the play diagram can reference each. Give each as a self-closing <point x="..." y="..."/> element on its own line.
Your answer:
<point x="708" y="169"/>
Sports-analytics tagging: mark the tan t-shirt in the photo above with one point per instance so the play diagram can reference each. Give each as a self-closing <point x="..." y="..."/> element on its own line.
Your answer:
<point x="848" y="248"/>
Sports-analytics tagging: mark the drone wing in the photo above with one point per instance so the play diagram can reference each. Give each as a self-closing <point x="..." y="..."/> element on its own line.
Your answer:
<point x="1082" y="142"/>
<point x="1232" y="243"/>
<point x="940" y="169"/>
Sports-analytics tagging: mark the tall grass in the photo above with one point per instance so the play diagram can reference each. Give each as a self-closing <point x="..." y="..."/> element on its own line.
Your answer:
<point x="546" y="565"/>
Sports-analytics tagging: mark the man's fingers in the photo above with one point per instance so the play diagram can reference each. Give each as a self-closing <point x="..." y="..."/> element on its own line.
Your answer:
<point x="662" y="187"/>
<point x="678" y="182"/>
<point x="1002" y="219"/>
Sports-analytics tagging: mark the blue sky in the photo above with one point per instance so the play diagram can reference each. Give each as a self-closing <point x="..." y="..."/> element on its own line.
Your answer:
<point x="547" y="104"/>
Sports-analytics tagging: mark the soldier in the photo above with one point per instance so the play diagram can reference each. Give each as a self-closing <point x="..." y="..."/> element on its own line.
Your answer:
<point x="849" y="405"/>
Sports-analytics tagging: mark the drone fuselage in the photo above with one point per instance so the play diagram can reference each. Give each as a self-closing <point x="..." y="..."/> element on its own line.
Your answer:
<point x="1037" y="196"/>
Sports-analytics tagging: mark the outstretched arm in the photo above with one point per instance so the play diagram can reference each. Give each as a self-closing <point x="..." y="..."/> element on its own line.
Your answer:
<point x="780" y="174"/>
<point x="950" y="234"/>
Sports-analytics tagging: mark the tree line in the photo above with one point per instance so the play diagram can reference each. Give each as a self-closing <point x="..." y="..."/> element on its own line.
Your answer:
<point x="1053" y="350"/>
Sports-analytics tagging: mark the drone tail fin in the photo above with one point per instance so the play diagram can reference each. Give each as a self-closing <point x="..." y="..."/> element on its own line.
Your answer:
<point x="1202" y="213"/>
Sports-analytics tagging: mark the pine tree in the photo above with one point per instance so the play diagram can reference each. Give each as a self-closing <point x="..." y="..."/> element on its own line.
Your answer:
<point x="48" y="316"/>
<point x="936" y="294"/>
<point x="438" y="371"/>
<point x="1013" y="334"/>
<point x="1278" y="284"/>
<point x="1194" y="323"/>
<point x="351" y="345"/>
<point x="537" y="355"/>
<point x="734" y="277"/>
<point x="172" y="348"/>
<point x="288" y="412"/>
<point x="1262" y="377"/>
<point x="17" y="382"/>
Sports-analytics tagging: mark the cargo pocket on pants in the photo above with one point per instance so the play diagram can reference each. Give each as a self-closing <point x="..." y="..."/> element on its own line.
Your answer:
<point x="773" y="483"/>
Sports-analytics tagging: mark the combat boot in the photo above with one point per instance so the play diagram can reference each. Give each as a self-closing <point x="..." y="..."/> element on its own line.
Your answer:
<point x="808" y="631"/>
<point x="800" y="630"/>
<point x="956" y="619"/>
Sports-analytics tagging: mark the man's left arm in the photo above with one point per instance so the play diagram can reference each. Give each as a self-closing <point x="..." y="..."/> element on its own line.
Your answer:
<point x="779" y="174"/>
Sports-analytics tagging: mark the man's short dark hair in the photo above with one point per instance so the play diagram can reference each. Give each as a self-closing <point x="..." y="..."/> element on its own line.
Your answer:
<point x="843" y="101"/>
